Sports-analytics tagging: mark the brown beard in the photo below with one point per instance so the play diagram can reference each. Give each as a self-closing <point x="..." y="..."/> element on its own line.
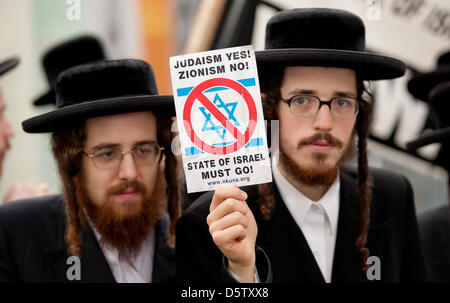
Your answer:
<point x="123" y="227"/>
<point x="320" y="174"/>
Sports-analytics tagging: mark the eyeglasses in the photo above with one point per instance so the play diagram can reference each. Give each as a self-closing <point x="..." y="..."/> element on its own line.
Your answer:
<point x="108" y="158"/>
<point x="308" y="106"/>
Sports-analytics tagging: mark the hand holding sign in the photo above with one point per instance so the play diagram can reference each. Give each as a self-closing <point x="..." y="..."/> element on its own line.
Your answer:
<point x="233" y="229"/>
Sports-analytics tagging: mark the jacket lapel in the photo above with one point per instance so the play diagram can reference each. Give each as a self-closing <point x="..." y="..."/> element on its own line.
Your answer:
<point x="94" y="267"/>
<point x="288" y="250"/>
<point x="347" y="261"/>
<point x="286" y="246"/>
<point x="164" y="260"/>
<point x="57" y="255"/>
<point x="347" y="265"/>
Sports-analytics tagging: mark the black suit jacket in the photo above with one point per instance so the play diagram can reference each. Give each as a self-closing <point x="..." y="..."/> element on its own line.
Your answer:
<point x="434" y="227"/>
<point x="393" y="237"/>
<point x="33" y="246"/>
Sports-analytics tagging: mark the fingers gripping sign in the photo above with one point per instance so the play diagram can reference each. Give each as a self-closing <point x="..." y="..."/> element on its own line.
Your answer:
<point x="233" y="229"/>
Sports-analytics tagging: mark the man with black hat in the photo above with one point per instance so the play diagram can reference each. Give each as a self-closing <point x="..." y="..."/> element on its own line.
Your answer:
<point x="421" y="84"/>
<point x="76" y="51"/>
<point x="434" y="224"/>
<point x="111" y="139"/>
<point x="433" y="87"/>
<point x="319" y="221"/>
<point x="18" y="190"/>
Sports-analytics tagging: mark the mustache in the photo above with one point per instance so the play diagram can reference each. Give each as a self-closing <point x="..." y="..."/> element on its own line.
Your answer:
<point x="121" y="187"/>
<point x="321" y="136"/>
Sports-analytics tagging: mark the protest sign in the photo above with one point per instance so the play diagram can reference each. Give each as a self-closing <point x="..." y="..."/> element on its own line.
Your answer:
<point x="220" y="119"/>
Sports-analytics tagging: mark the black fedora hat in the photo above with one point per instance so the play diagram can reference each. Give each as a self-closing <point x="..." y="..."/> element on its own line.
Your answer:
<point x="324" y="37"/>
<point x="99" y="89"/>
<point x="80" y="50"/>
<point x="439" y="99"/>
<point x="8" y="64"/>
<point x="421" y="85"/>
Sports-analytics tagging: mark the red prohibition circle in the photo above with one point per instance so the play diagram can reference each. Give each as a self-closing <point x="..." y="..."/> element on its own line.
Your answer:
<point x="197" y="94"/>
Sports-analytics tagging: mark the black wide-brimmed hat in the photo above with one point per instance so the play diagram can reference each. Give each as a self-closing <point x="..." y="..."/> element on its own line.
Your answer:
<point x="324" y="37"/>
<point x="99" y="89"/>
<point x="8" y="64"/>
<point x="439" y="99"/>
<point x="81" y="50"/>
<point x="421" y="85"/>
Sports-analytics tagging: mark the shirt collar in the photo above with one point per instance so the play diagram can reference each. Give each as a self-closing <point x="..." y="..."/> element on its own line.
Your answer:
<point x="299" y="205"/>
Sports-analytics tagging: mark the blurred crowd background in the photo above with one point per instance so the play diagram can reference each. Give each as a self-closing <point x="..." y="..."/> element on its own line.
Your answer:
<point x="415" y="31"/>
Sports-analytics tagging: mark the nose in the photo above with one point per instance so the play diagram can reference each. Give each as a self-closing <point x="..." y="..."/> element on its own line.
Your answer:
<point x="323" y="120"/>
<point x="128" y="170"/>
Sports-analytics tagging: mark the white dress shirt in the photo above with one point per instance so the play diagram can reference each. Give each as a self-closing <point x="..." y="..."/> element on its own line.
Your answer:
<point x="137" y="270"/>
<point x="317" y="220"/>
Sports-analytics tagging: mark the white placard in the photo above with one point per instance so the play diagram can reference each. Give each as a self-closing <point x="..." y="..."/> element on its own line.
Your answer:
<point x="220" y="118"/>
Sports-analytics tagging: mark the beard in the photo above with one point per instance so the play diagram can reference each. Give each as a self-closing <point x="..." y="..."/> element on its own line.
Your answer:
<point x="320" y="173"/>
<point x="125" y="226"/>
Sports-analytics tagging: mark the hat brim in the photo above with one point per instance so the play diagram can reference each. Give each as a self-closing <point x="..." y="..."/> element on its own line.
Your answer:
<point x="435" y="136"/>
<point x="421" y="85"/>
<point x="369" y="66"/>
<point x="63" y="118"/>
<point x="9" y="64"/>
<point x="47" y="98"/>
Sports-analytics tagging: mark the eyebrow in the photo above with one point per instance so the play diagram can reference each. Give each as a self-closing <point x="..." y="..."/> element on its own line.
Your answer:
<point x="344" y="94"/>
<point x="299" y="91"/>
<point x="116" y="145"/>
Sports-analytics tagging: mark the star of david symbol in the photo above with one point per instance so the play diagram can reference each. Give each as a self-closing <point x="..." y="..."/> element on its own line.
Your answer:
<point x="229" y="109"/>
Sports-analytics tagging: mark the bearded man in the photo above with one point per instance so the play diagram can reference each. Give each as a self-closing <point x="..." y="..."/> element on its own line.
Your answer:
<point x="318" y="221"/>
<point x="111" y="141"/>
